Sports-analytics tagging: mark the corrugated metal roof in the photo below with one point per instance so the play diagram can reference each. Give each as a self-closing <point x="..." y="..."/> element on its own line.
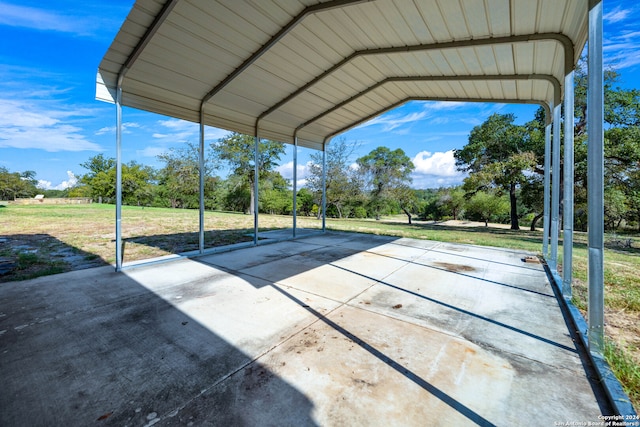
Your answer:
<point x="314" y="69"/>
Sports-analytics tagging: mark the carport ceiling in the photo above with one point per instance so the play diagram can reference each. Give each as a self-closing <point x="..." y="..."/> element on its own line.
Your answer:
<point x="314" y="69"/>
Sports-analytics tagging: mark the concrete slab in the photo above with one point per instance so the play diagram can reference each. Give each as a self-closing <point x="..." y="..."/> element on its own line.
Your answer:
<point x="334" y="329"/>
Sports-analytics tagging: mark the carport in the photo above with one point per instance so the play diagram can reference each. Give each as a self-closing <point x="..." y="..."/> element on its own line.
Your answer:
<point x="303" y="71"/>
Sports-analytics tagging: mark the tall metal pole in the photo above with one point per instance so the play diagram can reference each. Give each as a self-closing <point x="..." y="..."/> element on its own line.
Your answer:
<point x="324" y="187"/>
<point x="547" y="187"/>
<point x="595" y="178"/>
<point x="256" y="187"/>
<point x="201" y="170"/>
<point x="567" y="242"/>
<point x="555" y="189"/>
<point x="295" y="185"/>
<point x="119" y="248"/>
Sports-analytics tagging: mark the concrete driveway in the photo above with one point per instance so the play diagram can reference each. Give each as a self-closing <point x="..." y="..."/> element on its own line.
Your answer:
<point x="334" y="329"/>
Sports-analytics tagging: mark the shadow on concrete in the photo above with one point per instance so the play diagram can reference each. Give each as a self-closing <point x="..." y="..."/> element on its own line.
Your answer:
<point x="445" y="398"/>
<point x="314" y="257"/>
<point x="298" y="263"/>
<point x="188" y="242"/>
<point x="101" y="349"/>
<point x="75" y="350"/>
<point x="177" y="243"/>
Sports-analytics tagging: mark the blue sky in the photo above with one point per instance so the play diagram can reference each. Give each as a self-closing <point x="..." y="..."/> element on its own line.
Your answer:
<point x="50" y="122"/>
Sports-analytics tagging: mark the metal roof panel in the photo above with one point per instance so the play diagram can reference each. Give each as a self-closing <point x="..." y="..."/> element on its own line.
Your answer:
<point x="278" y="64"/>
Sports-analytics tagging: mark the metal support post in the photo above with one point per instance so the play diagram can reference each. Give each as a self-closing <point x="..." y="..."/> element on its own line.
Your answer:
<point x="202" y="172"/>
<point x="295" y="185"/>
<point x="595" y="178"/>
<point x="547" y="188"/>
<point x="256" y="188"/>
<point x="567" y="242"/>
<point x="119" y="248"/>
<point x="555" y="189"/>
<point x="324" y="187"/>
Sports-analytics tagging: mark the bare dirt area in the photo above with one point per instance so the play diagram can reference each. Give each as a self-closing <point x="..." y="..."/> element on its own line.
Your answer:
<point x="624" y="328"/>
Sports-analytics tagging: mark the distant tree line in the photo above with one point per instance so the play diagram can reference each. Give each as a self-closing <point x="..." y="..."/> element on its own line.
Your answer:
<point x="504" y="163"/>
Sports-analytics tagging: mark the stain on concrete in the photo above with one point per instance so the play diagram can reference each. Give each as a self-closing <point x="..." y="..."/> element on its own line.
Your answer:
<point x="455" y="268"/>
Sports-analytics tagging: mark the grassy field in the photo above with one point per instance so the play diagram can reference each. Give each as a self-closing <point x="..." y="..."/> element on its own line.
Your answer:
<point x="38" y="240"/>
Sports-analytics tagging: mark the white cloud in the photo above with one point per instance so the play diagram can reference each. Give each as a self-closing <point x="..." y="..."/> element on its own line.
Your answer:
<point x="70" y="182"/>
<point x="390" y="122"/>
<point x="34" y="18"/>
<point x="623" y="50"/>
<point x="435" y="170"/>
<point x="440" y="164"/>
<point x="179" y="125"/>
<point x="181" y="131"/>
<point x="622" y="37"/>
<point x="112" y="129"/>
<point x="178" y="130"/>
<point x="286" y="170"/>
<point x="79" y="19"/>
<point x="443" y="105"/>
<point x="42" y="125"/>
<point x="151" y="151"/>
<point x="616" y="15"/>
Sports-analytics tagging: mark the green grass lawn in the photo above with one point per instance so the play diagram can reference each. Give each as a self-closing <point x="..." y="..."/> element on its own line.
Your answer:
<point x="41" y="239"/>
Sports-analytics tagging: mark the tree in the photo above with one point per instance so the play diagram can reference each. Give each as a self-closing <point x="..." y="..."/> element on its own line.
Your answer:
<point x="179" y="179"/>
<point x="407" y="199"/>
<point x="432" y="209"/>
<point x="137" y="180"/>
<point x="137" y="184"/>
<point x="16" y="184"/>
<point x="275" y="196"/>
<point x="621" y="149"/>
<point x="385" y="172"/>
<point x="620" y="105"/>
<point x="495" y="157"/>
<point x="101" y="178"/>
<point x="452" y="201"/>
<point x="238" y="151"/>
<point x="486" y="206"/>
<point x="342" y="185"/>
<point x="304" y="201"/>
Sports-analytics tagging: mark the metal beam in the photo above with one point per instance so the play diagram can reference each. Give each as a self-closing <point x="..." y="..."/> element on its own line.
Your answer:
<point x="565" y="41"/>
<point x="148" y="35"/>
<point x="420" y="98"/>
<point x="567" y="241"/>
<point x="547" y="187"/>
<point x="412" y="79"/>
<point x="595" y="178"/>
<point x="555" y="189"/>
<point x="321" y="7"/>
